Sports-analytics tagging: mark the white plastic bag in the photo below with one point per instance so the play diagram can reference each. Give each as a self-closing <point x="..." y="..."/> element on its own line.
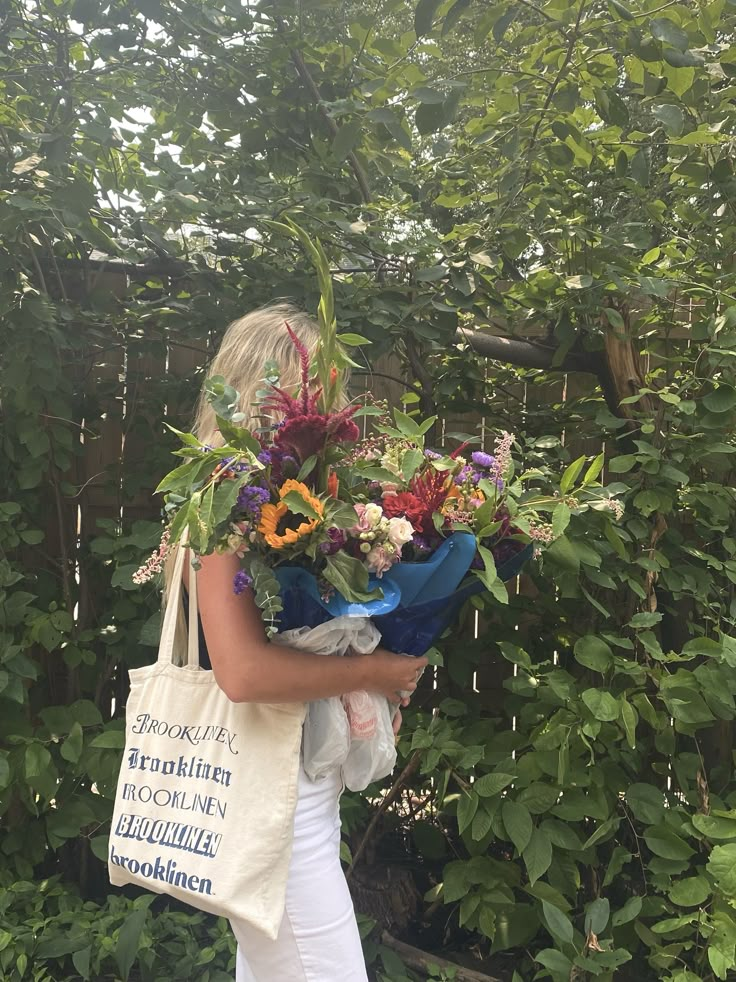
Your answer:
<point x="354" y="732"/>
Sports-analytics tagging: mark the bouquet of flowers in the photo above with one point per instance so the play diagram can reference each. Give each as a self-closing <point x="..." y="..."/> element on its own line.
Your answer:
<point x="331" y="523"/>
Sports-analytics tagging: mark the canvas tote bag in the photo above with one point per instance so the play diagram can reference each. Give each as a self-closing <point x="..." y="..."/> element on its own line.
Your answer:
<point x="204" y="805"/>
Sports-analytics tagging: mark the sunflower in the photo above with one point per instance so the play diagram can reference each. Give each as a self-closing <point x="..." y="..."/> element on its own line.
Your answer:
<point x="283" y="524"/>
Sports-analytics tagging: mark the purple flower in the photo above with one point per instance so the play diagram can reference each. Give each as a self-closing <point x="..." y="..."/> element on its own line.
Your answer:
<point x="484" y="460"/>
<point x="264" y="457"/>
<point x="241" y="581"/>
<point x="432" y="455"/>
<point x="251" y="499"/>
<point x="468" y="473"/>
<point x="338" y="538"/>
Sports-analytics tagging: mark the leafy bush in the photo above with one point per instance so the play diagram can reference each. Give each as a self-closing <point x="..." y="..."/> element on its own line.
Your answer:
<point x="49" y="934"/>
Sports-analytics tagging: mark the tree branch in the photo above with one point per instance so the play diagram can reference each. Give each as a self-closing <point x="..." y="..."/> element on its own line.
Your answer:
<point x="529" y="354"/>
<point x="306" y="77"/>
<point x="421" y="960"/>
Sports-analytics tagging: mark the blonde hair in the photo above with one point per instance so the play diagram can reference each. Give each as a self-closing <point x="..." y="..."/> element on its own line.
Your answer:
<point x="248" y="344"/>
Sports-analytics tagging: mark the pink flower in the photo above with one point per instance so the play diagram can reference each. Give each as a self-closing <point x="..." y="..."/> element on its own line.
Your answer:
<point x="502" y="453"/>
<point x="379" y="560"/>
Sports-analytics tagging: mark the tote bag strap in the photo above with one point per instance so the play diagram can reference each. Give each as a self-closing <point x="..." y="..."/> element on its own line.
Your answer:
<point x="168" y="629"/>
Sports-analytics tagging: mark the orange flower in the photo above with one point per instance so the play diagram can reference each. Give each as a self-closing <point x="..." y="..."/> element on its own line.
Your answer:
<point x="333" y="484"/>
<point x="280" y="525"/>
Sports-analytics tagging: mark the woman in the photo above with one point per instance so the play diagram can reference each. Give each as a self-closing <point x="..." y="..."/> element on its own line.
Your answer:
<point x="318" y="939"/>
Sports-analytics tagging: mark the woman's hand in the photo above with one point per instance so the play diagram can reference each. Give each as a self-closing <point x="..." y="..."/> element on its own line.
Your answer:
<point x="394" y="676"/>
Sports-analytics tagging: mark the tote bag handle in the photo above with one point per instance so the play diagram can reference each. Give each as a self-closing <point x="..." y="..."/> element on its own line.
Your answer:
<point x="168" y="629"/>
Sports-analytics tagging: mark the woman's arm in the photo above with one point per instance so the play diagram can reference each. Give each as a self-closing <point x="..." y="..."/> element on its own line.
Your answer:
<point x="250" y="669"/>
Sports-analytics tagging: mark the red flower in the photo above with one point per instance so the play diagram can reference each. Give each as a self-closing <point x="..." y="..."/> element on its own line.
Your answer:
<point x="304" y="431"/>
<point x="406" y="504"/>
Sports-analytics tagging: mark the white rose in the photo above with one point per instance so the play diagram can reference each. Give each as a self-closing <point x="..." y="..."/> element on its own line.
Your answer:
<point x="400" y="531"/>
<point x="373" y="514"/>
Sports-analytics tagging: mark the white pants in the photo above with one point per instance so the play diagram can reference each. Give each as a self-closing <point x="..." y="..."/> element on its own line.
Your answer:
<point x="318" y="940"/>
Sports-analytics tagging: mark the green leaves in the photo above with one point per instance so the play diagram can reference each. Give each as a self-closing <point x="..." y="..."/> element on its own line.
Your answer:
<point x="350" y="577"/>
<point x="518" y="823"/>
<point x="665" y="29"/>
<point x="537" y="855"/>
<point x="346" y="138"/>
<point x="424" y="15"/>
<point x="593" y="653"/>
<point x="722" y="867"/>
<point x="666" y="843"/>
<point x="601" y="704"/>
<point x="492" y="784"/>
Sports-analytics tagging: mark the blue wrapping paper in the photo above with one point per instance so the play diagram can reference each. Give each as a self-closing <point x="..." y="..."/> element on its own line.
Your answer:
<point x="436" y="590"/>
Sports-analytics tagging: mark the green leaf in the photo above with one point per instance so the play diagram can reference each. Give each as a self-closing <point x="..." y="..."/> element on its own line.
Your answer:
<point x="353" y="340"/>
<point x="602" y="832"/>
<point x="481" y="823"/>
<point x="559" y="924"/>
<point x="37" y="760"/>
<point x="621" y="9"/>
<point x="579" y="282"/>
<point x="431" y="274"/>
<point x="307" y="467"/>
<point x="71" y="749"/>
<point x="4" y="771"/>
<point x="644" y="620"/>
<point x="622" y="464"/>
<point x="629" y="718"/>
<point x="559" y="964"/>
<point x="560" y="519"/>
<point x="109" y="740"/>
<point x="81" y="961"/>
<point x="297" y="504"/>
<point x="453" y="15"/>
<point x="666" y="843"/>
<point x="410" y="463"/>
<point x="715" y="826"/>
<point x="538" y="855"/>
<point x="601" y="704"/>
<point x="467" y="806"/>
<point x="673" y="120"/>
<point x="682" y="59"/>
<point x="664" y="29"/>
<point x="517" y="822"/>
<point x="629" y="912"/>
<point x="424" y="16"/>
<point x="562" y="553"/>
<point x="646" y="802"/>
<point x="593" y="652"/>
<point x="593" y="472"/>
<point x="350" y="577"/>
<point x="596" y="916"/>
<point x="722" y="867"/>
<point x="690" y="892"/>
<point x="640" y="167"/>
<point x="492" y="784"/>
<point x="721" y="400"/>
<point x="126" y="949"/>
<point x="346" y="138"/>
<point x="514" y="654"/>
